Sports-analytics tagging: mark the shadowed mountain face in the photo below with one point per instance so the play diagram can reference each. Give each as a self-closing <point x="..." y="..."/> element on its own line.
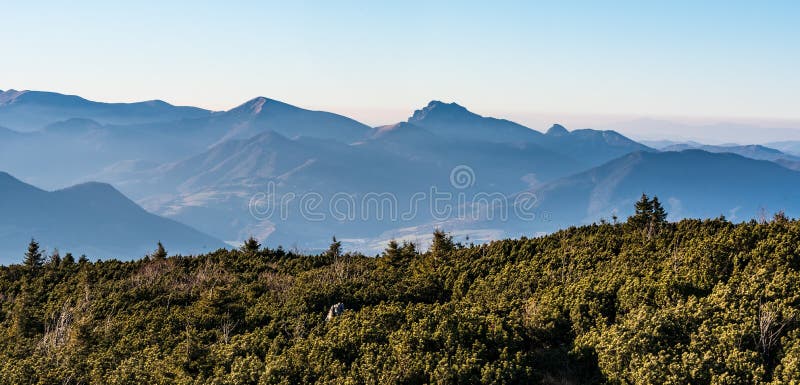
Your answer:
<point x="92" y="218"/>
<point x="33" y="110"/>
<point x="8" y="135"/>
<point x="691" y="183"/>
<point x="402" y="160"/>
<point x="592" y="147"/>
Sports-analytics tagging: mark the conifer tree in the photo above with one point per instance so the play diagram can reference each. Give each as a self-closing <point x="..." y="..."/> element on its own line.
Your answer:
<point x="392" y="250"/>
<point x="643" y="209"/>
<point x="251" y="245"/>
<point x="409" y="249"/>
<point x="55" y="258"/>
<point x="160" y="252"/>
<point x="442" y="243"/>
<point x="335" y="249"/>
<point x="33" y="257"/>
<point x="644" y="206"/>
<point x="23" y="321"/>
<point x="649" y="215"/>
<point x="659" y="215"/>
<point x="68" y="259"/>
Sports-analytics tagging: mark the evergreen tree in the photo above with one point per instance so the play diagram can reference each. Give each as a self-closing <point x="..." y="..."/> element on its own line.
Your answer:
<point x="409" y="249"/>
<point x="643" y="210"/>
<point x="442" y="243"/>
<point x="23" y="320"/>
<point x="649" y="215"/>
<point x="68" y="259"/>
<point x="659" y="215"/>
<point x="644" y="206"/>
<point x="392" y="250"/>
<point x="251" y="245"/>
<point x="335" y="249"/>
<point x="33" y="257"/>
<point x="55" y="258"/>
<point x="160" y="252"/>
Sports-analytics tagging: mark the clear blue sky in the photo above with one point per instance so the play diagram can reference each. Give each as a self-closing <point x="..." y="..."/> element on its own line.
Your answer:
<point x="377" y="60"/>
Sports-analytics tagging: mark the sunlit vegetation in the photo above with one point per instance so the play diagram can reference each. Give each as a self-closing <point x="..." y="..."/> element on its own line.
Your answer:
<point x="639" y="302"/>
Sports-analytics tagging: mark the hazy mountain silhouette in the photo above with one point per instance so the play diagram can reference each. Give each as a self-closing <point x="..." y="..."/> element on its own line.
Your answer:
<point x="32" y="110"/>
<point x="716" y="133"/>
<point x="788" y="146"/>
<point x="590" y="147"/>
<point x="753" y="151"/>
<point x="90" y="218"/>
<point x="453" y="120"/>
<point x="262" y="114"/>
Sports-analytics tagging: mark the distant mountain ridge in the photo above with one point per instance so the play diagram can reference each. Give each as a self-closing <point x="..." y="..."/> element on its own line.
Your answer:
<point x="261" y="114"/>
<point x="691" y="183"/>
<point x="752" y="151"/>
<point x="91" y="218"/>
<point x="586" y="145"/>
<point x="32" y="110"/>
<point x="451" y="119"/>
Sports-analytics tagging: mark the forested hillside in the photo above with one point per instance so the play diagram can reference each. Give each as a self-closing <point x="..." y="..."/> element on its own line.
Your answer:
<point x="640" y="302"/>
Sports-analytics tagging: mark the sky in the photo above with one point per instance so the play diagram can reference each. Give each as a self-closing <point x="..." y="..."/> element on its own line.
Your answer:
<point x="376" y="61"/>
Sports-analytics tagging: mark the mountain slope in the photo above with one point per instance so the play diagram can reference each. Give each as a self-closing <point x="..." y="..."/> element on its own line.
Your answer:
<point x="214" y="187"/>
<point x="7" y="134"/>
<point x="593" y="147"/>
<point x="501" y="166"/>
<point x="262" y="114"/>
<point x="32" y="110"/>
<point x="453" y="120"/>
<point x="691" y="183"/>
<point x="787" y="146"/>
<point x="212" y="190"/>
<point x="91" y="218"/>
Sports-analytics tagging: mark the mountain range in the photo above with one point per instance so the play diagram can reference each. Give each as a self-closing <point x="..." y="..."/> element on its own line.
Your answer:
<point x="206" y="169"/>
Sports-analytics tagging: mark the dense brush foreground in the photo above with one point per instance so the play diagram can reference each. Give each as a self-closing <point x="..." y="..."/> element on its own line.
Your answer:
<point x="698" y="301"/>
